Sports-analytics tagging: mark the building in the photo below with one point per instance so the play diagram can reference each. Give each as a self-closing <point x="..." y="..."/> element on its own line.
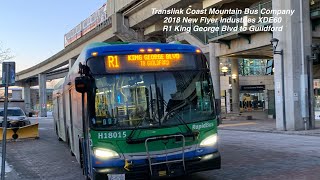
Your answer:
<point x="16" y="100"/>
<point x="291" y="41"/>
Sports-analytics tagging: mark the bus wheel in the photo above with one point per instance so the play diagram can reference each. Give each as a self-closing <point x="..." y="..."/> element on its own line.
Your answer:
<point x="68" y="139"/>
<point x="59" y="138"/>
<point x="81" y="156"/>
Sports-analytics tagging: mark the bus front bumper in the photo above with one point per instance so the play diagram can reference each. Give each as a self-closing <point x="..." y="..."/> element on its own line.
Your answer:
<point x="200" y="163"/>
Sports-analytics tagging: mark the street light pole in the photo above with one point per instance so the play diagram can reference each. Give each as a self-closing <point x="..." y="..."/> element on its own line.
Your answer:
<point x="225" y="70"/>
<point x="274" y="40"/>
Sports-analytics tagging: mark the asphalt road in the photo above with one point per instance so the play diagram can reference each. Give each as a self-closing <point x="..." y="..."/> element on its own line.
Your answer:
<point x="245" y="155"/>
<point x="265" y="156"/>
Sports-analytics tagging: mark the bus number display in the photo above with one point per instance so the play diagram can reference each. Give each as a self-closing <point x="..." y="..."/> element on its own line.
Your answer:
<point x="113" y="62"/>
<point x="112" y="135"/>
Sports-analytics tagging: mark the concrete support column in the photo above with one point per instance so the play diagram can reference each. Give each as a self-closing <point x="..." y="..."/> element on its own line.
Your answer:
<point x="42" y="95"/>
<point x="27" y="97"/>
<point x="295" y="41"/>
<point x="71" y="62"/>
<point x="228" y="107"/>
<point x="121" y="28"/>
<point x="235" y="85"/>
<point x="215" y="74"/>
<point x="266" y="100"/>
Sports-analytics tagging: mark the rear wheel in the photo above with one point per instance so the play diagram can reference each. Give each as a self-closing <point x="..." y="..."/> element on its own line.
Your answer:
<point x="59" y="138"/>
<point x="69" y="143"/>
<point x="81" y="156"/>
<point x="68" y="139"/>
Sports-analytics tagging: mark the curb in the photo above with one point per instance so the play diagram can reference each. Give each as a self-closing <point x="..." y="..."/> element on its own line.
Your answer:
<point x="271" y="131"/>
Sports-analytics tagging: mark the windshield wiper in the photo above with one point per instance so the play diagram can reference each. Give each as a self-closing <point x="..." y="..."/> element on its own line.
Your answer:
<point x="150" y="107"/>
<point x="189" y="133"/>
<point x="129" y="138"/>
<point x="177" y="116"/>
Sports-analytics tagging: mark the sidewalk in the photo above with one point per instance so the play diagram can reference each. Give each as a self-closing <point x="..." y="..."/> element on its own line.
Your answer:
<point x="259" y="123"/>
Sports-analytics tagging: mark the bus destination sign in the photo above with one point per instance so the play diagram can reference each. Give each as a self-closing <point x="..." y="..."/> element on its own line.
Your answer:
<point x="142" y="61"/>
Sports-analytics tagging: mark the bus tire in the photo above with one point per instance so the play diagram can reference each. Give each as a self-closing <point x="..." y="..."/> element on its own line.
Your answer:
<point x="68" y="139"/>
<point x="69" y="143"/>
<point x="88" y="178"/>
<point x="97" y="176"/>
<point x="81" y="156"/>
<point x="59" y="138"/>
<point x="56" y="129"/>
<point x="81" y="162"/>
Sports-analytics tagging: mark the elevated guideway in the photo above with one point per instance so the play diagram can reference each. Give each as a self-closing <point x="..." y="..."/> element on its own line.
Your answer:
<point x="101" y="33"/>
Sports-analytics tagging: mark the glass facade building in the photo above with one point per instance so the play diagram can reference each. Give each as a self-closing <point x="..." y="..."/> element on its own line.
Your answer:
<point x="252" y="96"/>
<point x="247" y="67"/>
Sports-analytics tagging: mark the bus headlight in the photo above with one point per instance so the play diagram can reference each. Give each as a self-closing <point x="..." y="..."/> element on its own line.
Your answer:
<point x="209" y="141"/>
<point x="105" y="153"/>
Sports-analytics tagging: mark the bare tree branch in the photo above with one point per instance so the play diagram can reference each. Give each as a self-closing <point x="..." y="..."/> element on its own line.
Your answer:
<point x="5" y="54"/>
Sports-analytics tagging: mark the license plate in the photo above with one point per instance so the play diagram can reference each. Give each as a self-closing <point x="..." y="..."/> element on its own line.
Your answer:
<point x="162" y="173"/>
<point x="116" y="177"/>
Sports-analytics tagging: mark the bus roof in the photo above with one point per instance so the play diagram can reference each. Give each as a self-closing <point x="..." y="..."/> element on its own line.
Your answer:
<point x="131" y="48"/>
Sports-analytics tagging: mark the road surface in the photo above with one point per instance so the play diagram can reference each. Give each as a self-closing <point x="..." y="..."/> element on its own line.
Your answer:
<point x="245" y="156"/>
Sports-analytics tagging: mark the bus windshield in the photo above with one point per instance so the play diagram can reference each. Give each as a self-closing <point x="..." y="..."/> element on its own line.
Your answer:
<point x="149" y="99"/>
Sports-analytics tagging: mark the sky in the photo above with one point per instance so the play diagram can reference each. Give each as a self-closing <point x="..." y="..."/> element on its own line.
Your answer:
<point x="34" y="29"/>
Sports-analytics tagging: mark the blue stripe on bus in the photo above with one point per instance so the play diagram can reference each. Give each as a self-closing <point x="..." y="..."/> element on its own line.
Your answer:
<point x="120" y="162"/>
<point x="106" y="49"/>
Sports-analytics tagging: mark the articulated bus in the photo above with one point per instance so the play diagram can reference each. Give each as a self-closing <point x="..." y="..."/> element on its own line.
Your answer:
<point x="139" y="111"/>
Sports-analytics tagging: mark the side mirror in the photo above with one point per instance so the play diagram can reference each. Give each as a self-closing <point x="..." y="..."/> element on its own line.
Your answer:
<point x="82" y="84"/>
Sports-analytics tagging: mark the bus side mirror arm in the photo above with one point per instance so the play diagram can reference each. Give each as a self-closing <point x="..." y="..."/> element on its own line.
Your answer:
<point x="83" y="69"/>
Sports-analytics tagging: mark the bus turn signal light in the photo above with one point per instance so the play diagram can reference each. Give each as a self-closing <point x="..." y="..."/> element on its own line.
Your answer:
<point x="94" y="54"/>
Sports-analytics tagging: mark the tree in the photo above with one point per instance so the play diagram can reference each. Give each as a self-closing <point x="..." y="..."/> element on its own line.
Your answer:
<point x="5" y="54"/>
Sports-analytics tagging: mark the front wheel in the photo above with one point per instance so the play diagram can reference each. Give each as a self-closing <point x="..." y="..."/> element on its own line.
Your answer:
<point x="81" y="159"/>
<point x="86" y="177"/>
